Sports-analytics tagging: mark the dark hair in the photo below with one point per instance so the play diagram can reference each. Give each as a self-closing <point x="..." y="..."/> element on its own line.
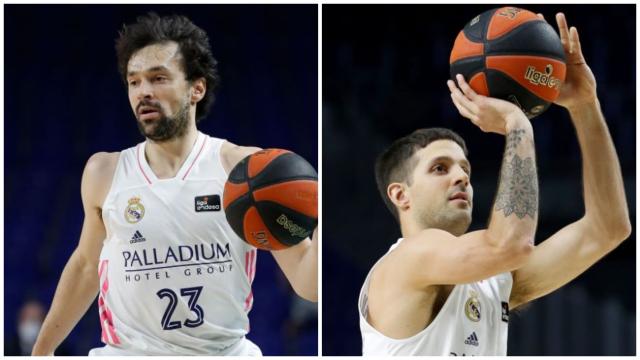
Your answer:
<point x="396" y="163"/>
<point x="193" y="42"/>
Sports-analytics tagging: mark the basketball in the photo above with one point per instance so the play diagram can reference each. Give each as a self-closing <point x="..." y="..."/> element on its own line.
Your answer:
<point x="271" y="199"/>
<point x="511" y="54"/>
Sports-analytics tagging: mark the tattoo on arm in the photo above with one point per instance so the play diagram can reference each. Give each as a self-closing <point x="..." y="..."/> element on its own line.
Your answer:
<point x="513" y="140"/>
<point x="518" y="189"/>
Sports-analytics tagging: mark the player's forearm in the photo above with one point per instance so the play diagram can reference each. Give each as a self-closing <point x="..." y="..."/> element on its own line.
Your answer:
<point x="76" y="291"/>
<point x="306" y="282"/>
<point x="605" y="200"/>
<point x="515" y="211"/>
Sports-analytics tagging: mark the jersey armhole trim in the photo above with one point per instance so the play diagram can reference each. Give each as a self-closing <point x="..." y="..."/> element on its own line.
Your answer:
<point x="113" y="182"/>
<point x="217" y="148"/>
<point x="140" y="164"/>
<point x="204" y="142"/>
<point x="421" y="332"/>
<point x="365" y="293"/>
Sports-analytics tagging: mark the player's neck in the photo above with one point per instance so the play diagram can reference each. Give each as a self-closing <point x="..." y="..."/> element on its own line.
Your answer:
<point x="409" y="227"/>
<point x="165" y="158"/>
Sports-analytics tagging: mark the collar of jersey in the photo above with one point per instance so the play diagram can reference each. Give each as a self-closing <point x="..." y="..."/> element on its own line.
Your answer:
<point x="185" y="168"/>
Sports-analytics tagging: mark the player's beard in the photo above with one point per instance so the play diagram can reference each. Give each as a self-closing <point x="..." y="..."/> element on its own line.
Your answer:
<point x="167" y="127"/>
<point x="453" y="220"/>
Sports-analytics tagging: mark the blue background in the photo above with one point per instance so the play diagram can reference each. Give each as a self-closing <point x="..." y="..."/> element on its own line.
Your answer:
<point x="64" y="101"/>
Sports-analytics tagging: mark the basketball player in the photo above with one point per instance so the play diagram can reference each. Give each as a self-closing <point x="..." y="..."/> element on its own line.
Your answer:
<point x="171" y="279"/>
<point x="441" y="290"/>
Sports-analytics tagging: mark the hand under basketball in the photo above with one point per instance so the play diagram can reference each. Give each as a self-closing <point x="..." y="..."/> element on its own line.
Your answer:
<point x="487" y="113"/>
<point x="580" y="85"/>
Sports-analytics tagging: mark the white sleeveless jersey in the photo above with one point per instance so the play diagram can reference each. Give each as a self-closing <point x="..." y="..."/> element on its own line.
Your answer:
<point x="174" y="277"/>
<point x="473" y="321"/>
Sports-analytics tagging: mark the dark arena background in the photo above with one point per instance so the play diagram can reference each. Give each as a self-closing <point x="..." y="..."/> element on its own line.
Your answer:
<point x="384" y="75"/>
<point x="65" y="100"/>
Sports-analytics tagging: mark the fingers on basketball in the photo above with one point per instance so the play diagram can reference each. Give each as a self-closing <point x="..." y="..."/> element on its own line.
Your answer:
<point x="564" y="31"/>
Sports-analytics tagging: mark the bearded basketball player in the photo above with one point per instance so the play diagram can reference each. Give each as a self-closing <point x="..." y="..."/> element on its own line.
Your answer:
<point x="171" y="280"/>
<point x="441" y="290"/>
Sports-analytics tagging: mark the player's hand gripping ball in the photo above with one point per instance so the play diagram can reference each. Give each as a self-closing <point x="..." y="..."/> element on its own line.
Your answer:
<point x="511" y="54"/>
<point x="271" y="199"/>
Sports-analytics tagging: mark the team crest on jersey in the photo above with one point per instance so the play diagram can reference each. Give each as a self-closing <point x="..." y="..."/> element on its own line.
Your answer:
<point x="134" y="211"/>
<point x="472" y="307"/>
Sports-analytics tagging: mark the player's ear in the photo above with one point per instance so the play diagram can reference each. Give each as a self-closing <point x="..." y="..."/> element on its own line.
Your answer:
<point x="399" y="195"/>
<point x="198" y="90"/>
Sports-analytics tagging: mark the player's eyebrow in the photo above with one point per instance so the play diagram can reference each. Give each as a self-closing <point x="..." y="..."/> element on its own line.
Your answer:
<point x="151" y="69"/>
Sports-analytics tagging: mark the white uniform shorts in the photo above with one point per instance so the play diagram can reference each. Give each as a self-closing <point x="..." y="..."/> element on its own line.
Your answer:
<point x="244" y="347"/>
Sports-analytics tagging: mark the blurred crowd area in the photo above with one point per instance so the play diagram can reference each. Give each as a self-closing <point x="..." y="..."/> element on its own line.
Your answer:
<point x="384" y="75"/>
<point x="65" y="100"/>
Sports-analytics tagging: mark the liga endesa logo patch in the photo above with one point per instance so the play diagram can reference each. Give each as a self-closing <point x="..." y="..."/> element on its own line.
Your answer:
<point x="207" y="203"/>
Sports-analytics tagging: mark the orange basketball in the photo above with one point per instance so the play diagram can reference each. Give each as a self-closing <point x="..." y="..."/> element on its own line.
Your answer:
<point x="271" y="199"/>
<point x="510" y="53"/>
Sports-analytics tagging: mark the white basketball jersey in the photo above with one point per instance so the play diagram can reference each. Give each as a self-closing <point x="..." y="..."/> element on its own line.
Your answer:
<point x="174" y="277"/>
<point x="473" y="321"/>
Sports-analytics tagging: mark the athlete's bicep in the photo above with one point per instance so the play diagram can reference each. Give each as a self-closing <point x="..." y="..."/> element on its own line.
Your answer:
<point x="232" y="154"/>
<point x="436" y="257"/>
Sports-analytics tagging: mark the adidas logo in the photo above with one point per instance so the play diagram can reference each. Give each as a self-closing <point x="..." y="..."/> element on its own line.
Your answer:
<point x="137" y="237"/>
<point x="472" y="339"/>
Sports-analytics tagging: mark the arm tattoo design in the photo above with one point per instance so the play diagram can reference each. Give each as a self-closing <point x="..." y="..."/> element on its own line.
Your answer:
<point x="513" y="140"/>
<point x="518" y="189"/>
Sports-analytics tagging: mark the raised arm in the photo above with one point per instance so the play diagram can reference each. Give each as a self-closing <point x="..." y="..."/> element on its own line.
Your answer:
<point x="437" y="257"/>
<point x="605" y="223"/>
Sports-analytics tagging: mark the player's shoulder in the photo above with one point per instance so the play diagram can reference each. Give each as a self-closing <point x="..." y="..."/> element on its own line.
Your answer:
<point x="102" y="163"/>
<point x="231" y="154"/>
<point x="422" y="240"/>
<point x="97" y="177"/>
<point x="398" y="267"/>
<point x="414" y="250"/>
<point x="99" y="171"/>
